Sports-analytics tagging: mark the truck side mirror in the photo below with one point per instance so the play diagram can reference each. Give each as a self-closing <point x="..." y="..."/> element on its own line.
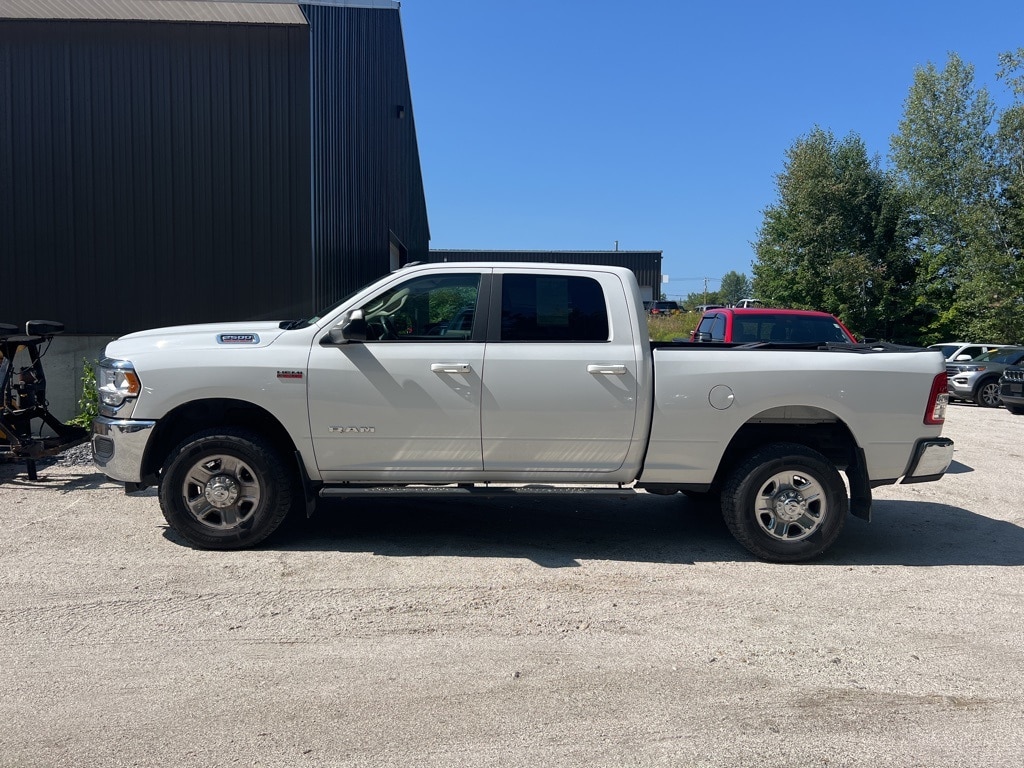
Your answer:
<point x="353" y="328"/>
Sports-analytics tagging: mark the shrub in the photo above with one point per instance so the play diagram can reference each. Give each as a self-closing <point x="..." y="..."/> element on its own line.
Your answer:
<point x="89" y="402"/>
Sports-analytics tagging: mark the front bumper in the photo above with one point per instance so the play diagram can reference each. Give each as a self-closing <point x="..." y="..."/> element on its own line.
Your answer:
<point x="1011" y="390"/>
<point x="961" y="390"/>
<point x="119" y="445"/>
<point x="931" y="459"/>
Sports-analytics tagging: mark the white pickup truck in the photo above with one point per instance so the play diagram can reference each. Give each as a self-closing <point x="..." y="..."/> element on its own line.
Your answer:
<point x="479" y="377"/>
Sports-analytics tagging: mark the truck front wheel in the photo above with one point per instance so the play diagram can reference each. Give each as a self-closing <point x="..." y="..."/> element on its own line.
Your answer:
<point x="225" y="489"/>
<point x="785" y="503"/>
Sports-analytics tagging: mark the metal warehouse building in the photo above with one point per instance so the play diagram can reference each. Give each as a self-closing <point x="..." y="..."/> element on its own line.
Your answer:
<point x="173" y="162"/>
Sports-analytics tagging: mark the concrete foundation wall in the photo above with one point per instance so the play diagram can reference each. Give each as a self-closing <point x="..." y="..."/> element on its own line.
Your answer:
<point x="63" y="366"/>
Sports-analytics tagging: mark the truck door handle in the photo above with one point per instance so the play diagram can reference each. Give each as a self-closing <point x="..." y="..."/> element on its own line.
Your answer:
<point x="608" y="370"/>
<point x="449" y="367"/>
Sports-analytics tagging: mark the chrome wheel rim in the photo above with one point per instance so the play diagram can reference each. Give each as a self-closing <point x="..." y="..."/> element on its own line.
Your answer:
<point x="790" y="506"/>
<point x="221" y="491"/>
<point x="990" y="394"/>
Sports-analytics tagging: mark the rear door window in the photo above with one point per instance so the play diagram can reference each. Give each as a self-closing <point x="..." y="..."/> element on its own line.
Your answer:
<point x="552" y="308"/>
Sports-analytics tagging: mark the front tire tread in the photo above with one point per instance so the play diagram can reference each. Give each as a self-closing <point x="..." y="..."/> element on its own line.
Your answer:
<point x="278" y="488"/>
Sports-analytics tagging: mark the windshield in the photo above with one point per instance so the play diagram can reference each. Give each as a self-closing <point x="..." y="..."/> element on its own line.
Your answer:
<point x="999" y="356"/>
<point x="945" y="349"/>
<point x="305" y="322"/>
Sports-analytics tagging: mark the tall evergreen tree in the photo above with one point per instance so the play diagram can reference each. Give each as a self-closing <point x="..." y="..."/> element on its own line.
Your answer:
<point x="836" y="238"/>
<point x="734" y="287"/>
<point x="1008" y="307"/>
<point x="945" y="154"/>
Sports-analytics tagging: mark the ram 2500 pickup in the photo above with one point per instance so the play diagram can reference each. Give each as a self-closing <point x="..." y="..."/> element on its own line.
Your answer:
<point x="470" y="375"/>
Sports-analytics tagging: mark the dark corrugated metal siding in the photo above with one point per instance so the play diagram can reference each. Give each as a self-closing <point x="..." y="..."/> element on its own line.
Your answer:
<point x="646" y="265"/>
<point x="367" y="185"/>
<point x="147" y="10"/>
<point x="153" y="173"/>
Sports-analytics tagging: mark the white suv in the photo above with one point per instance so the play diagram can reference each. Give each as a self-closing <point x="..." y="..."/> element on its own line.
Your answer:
<point x="960" y="352"/>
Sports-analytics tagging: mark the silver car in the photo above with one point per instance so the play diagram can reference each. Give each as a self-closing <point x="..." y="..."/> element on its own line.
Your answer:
<point x="978" y="380"/>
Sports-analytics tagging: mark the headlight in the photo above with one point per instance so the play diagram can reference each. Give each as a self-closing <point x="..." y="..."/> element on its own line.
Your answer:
<point x="116" y="381"/>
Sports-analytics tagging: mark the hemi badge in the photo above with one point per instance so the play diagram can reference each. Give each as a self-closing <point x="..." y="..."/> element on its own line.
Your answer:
<point x="289" y="374"/>
<point x="238" y="338"/>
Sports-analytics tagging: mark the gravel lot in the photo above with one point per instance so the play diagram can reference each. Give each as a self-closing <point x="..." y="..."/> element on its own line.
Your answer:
<point x="552" y="631"/>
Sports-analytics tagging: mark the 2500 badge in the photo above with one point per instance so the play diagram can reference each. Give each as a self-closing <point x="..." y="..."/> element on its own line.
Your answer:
<point x="238" y="338"/>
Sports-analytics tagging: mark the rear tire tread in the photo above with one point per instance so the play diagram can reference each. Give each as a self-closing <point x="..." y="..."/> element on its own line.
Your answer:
<point x="743" y="483"/>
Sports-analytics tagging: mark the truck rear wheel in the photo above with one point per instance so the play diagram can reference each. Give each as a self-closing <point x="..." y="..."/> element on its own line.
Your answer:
<point x="785" y="503"/>
<point x="225" y="489"/>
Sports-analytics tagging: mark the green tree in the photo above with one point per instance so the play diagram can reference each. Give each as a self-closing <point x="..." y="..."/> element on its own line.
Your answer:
<point x="696" y="298"/>
<point x="734" y="286"/>
<point x="945" y="153"/>
<point x="836" y="239"/>
<point x="1008" y="305"/>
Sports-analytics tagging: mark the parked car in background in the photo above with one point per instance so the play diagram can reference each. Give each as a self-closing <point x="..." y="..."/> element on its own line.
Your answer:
<point x="664" y="308"/>
<point x="978" y="380"/>
<point x="748" y="303"/>
<point x="794" y="326"/>
<point x="960" y="351"/>
<point x="1011" y="389"/>
<point x="702" y="308"/>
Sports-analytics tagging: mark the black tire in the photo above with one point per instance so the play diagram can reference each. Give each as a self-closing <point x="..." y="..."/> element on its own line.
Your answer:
<point x="987" y="394"/>
<point x="1016" y="410"/>
<point x="791" y="485"/>
<point x="225" y="489"/>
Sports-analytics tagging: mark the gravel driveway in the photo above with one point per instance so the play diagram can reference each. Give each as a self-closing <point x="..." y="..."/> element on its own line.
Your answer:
<point x="543" y="631"/>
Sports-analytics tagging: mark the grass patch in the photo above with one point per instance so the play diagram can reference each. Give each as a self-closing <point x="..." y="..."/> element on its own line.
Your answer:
<point x="672" y="327"/>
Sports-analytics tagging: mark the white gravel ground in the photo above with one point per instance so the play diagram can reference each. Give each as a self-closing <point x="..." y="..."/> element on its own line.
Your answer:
<point x="552" y="631"/>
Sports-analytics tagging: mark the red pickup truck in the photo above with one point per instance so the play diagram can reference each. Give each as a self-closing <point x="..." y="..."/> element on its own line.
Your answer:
<point x="770" y="325"/>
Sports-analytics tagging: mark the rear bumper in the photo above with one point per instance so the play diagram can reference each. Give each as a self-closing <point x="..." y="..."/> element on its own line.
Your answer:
<point x="119" y="445"/>
<point x="931" y="458"/>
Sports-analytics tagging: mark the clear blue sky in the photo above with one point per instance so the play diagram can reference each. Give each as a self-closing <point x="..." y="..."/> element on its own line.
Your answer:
<point x="562" y="124"/>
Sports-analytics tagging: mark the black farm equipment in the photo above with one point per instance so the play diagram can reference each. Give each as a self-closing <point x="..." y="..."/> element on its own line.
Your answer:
<point x="28" y="431"/>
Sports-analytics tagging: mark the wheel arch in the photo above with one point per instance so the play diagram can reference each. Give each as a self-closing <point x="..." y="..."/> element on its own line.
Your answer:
<point x="815" y="428"/>
<point x="198" y="415"/>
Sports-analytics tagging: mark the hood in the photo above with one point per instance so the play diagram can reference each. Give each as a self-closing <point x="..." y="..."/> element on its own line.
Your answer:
<point x="204" y="336"/>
